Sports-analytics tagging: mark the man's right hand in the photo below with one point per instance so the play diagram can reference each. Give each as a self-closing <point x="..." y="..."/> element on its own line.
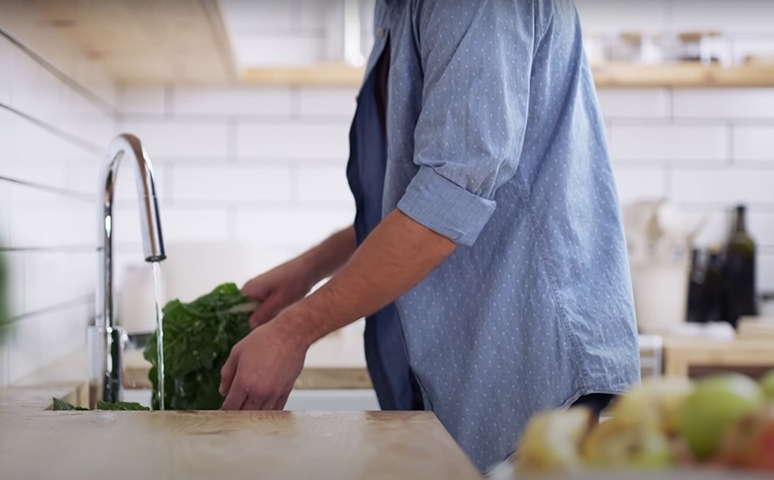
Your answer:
<point x="277" y="289"/>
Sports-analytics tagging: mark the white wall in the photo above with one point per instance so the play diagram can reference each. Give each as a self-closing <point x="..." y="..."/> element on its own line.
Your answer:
<point x="259" y="166"/>
<point x="54" y="126"/>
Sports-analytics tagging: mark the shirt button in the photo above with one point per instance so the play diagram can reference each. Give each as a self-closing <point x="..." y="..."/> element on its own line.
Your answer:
<point x="382" y="32"/>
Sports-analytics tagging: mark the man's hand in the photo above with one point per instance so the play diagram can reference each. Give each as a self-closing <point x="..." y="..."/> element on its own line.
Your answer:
<point x="283" y="286"/>
<point x="277" y="289"/>
<point x="262" y="368"/>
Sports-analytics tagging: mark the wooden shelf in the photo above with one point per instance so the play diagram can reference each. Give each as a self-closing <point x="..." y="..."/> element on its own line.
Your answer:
<point x="610" y="75"/>
<point x="682" y="75"/>
<point x="134" y="41"/>
<point x="324" y="75"/>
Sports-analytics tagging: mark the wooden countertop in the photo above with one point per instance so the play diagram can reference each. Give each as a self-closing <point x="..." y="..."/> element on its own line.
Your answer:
<point x="680" y="355"/>
<point x="40" y="444"/>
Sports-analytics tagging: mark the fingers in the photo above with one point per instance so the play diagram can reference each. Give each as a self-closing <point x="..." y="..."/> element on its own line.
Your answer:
<point x="265" y="311"/>
<point x="271" y="402"/>
<point x="252" y="403"/>
<point x="228" y="372"/>
<point x="280" y="404"/>
<point x="235" y="400"/>
<point x="257" y="288"/>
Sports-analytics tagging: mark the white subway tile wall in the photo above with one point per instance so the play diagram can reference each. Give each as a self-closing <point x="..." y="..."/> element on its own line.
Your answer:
<point x="286" y="183"/>
<point x="669" y="141"/>
<point x="754" y="142"/>
<point x="53" y="136"/>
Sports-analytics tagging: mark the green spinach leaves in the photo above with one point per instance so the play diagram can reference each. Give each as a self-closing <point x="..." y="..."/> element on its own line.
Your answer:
<point x="198" y="337"/>
<point x="61" y="405"/>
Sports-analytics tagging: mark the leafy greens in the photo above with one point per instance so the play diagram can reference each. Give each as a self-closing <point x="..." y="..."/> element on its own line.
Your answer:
<point x="125" y="406"/>
<point x="198" y="338"/>
<point x="61" y="405"/>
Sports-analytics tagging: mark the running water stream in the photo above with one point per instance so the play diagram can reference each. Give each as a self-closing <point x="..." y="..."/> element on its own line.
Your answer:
<point x="159" y="330"/>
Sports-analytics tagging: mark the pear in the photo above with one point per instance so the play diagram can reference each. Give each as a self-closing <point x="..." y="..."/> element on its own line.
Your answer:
<point x="628" y="446"/>
<point x="656" y="402"/>
<point x="749" y="442"/>
<point x="551" y="442"/>
<point x="714" y="405"/>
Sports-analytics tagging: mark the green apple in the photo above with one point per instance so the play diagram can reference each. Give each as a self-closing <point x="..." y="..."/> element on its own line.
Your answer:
<point x="714" y="405"/>
<point x="767" y="384"/>
<point x="656" y="402"/>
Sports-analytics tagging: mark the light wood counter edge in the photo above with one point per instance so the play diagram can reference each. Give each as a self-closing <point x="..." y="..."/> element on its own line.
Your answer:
<point x="681" y="354"/>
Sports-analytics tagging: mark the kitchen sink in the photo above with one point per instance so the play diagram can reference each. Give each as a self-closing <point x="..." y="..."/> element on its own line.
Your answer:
<point x="300" y="400"/>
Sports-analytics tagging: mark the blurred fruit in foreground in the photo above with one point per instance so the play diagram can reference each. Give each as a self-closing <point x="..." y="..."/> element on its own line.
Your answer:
<point x="718" y="423"/>
<point x="657" y="403"/>
<point x="552" y="442"/>
<point x="749" y="443"/>
<point x="714" y="405"/>
<point x="631" y="446"/>
<point x="767" y="384"/>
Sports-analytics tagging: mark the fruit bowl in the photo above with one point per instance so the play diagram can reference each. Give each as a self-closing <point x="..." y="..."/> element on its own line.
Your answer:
<point x="505" y="471"/>
<point x="664" y="476"/>
<point x="719" y="428"/>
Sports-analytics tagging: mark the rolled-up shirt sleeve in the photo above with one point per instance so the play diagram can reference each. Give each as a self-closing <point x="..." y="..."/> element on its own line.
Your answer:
<point x="476" y="57"/>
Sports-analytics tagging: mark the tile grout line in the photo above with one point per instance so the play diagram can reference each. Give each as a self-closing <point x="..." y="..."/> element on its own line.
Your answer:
<point x="53" y="308"/>
<point x="75" y="140"/>
<point x="53" y="248"/>
<point x="87" y="94"/>
<point x="74" y="194"/>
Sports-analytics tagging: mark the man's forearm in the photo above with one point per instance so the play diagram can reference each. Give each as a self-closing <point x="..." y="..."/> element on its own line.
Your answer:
<point x="397" y="255"/>
<point x="329" y="256"/>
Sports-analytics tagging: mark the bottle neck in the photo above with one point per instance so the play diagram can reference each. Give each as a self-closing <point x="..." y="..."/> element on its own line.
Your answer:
<point x="740" y="226"/>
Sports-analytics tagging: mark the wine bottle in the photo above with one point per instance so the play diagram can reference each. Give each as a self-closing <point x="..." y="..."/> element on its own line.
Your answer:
<point x="740" y="270"/>
<point x="714" y="298"/>
<point x="695" y="312"/>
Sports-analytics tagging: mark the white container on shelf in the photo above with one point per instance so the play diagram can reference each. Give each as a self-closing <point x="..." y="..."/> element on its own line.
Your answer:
<point x="660" y="295"/>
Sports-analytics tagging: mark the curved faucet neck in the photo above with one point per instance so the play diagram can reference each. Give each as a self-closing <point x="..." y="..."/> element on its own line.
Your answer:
<point x="128" y="146"/>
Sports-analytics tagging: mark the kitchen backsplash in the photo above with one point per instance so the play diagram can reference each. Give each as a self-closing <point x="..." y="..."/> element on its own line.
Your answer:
<point x="264" y="167"/>
<point x="54" y="124"/>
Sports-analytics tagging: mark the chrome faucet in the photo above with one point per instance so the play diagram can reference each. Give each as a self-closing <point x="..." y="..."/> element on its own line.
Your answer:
<point x="109" y="338"/>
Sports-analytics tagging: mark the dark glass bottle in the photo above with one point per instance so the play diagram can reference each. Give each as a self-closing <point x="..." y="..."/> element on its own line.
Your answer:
<point x="740" y="270"/>
<point x="695" y="289"/>
<point x="714" y="301"/>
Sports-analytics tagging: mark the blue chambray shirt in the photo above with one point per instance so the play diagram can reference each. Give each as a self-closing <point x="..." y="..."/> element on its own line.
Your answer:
<point x="494" y="139"/>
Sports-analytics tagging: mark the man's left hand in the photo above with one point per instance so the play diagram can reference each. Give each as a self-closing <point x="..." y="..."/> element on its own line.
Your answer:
<point x="262" y="368"/>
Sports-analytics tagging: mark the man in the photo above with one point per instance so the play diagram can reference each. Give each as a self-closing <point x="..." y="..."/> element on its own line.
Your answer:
<point x="488" y="235"/>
